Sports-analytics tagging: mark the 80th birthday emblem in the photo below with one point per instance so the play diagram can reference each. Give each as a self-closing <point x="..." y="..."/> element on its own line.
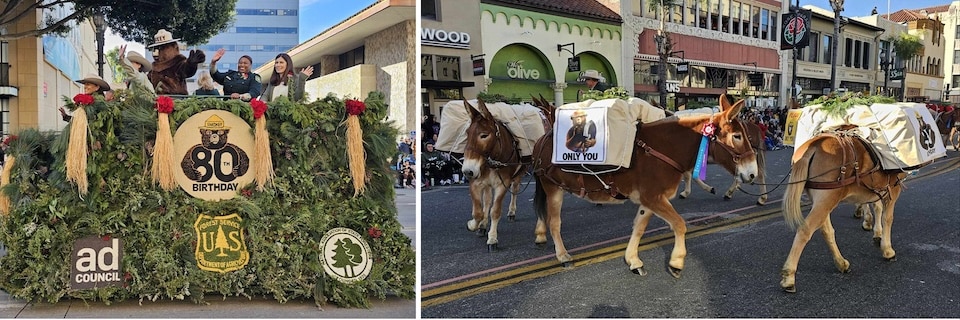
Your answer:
<point x="214" y="148"/>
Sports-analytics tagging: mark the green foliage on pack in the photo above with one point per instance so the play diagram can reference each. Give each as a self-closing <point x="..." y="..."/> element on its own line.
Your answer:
<point x="312" y="193"/>
<point x="836" y="106"/>
<point x="497" y="97"/>
<point x="612" y="93"/>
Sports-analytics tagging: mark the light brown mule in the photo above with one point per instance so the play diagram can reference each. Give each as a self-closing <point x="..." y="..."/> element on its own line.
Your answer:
<point x="662" y="151"/>
<point x="493" y="164"/>
<point x="721" y="156"/>
<point x="832" y="168"/>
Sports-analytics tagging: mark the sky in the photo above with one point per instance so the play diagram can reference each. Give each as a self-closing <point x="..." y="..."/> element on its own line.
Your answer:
<point x="860" y="8"/>
<point x="318" y="15"/>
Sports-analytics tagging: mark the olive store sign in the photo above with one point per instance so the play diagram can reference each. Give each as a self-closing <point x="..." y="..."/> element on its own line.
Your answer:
<point x="213" y="149"/>
<point x="95" y="263"/>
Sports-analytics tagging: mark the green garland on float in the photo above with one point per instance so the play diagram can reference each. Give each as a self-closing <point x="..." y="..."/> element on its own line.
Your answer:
<point x="311" y="194"/>
<point x="836" y="106"/>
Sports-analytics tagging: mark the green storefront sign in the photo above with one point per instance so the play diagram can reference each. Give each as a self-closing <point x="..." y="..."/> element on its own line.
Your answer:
<point x="520" y="71"/>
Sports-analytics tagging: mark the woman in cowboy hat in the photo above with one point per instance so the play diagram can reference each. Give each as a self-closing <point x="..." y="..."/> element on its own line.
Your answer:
<point x="136" y="67"/>
<point x="94" y="86"/>
<point x="170" y="68"/>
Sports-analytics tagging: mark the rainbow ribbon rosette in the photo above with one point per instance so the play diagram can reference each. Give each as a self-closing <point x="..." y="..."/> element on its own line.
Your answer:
<point x="355" y="152"/>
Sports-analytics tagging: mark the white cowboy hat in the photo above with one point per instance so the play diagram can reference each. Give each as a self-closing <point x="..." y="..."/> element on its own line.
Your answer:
<point x="593" y="74"/>
<point x="145" y="66"/>
<point x="94" y="79"/>
<point x="162" y="37"/>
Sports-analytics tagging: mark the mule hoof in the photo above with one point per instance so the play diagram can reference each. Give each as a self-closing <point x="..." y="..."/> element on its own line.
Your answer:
<point x="492" y="248"/>
<point x="876" y="241"/>
<point x="869" y="228"/>
<point x="713" y="190"/>
<point x="726" y="197"/>
<point x="761" y="202"/>
<point x="682" y="196"/>
<point x="892" y="259"/>
<point x="512" y="218"/>
<point x="481" y="232"/>
<point x="790" y="289"/>
<point x="567" y="265"/>
<point x="674" y="271"/>
<point x="540" y="245"/>
<point x="857" y="214"/>
<point x="639" y="271"/>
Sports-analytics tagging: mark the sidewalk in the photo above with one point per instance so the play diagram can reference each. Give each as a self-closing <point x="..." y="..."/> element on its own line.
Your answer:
<point x="231" y="307"/>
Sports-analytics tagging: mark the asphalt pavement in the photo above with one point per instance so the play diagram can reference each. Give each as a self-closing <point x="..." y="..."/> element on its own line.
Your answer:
<point x="230" y="307"/>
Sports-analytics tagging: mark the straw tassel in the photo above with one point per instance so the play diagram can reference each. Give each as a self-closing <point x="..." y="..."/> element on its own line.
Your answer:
<point x="262" y="159"/>
<point x="355" y="153"/>
<point x="8" y="163"/>
<point x="162" y="168"/>
<point x="77" y="149"/>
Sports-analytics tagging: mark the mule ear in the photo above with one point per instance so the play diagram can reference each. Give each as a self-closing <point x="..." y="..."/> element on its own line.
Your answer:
<point x="723" y="103"/>
<point x="733" y="111"/>
<point x="484" y="112"/>
<point x="470" y="109"/>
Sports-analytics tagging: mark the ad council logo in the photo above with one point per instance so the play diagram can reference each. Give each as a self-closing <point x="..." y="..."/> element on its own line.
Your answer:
<point x="345" y="255"/>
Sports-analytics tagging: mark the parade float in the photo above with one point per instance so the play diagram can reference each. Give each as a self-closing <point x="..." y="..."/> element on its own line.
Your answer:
<point x="186" y="199"/>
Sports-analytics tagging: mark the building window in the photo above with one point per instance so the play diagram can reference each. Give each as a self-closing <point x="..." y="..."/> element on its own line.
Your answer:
<point x="765" y="24"/>
<point x="813" y="47"/>
<point x="827" y="49"/>
<point x="266" y="12"/>
<point x="956" y="82"/>
<point x="429" y="9"/>
<point x="774" y="25"/>
<point x="426" y="67"/>
<point x="447" y="68"/>
<point x="848" y="53"/>
<point x="857" y="53"/>
<point x="351" y="58"/>
<point x="866" y="56"/>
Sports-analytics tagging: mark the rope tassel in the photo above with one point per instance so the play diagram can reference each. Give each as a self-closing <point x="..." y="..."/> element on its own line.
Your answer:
<point x="8" y="163"/>
<point x="162" y="168"/>
<point x="76" y="161"/>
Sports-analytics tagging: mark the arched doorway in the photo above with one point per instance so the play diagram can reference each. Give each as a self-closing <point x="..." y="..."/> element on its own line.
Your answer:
<point x="588" y="60"/>
<point x="520" y="70"/>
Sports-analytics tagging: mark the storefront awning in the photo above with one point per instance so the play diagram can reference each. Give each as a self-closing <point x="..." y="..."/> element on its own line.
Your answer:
<point x="675" y="60"/>
<point x="445" y="84"/>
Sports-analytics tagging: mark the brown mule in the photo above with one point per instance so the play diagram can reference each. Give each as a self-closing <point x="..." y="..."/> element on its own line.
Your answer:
<point x="721" y="156"/>
<point x="662" y="151"/>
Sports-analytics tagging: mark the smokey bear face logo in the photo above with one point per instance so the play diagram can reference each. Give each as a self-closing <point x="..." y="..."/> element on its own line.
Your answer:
<point x="213" y="139"/>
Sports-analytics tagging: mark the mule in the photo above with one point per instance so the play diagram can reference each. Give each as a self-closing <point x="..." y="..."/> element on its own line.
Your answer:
<point x="662" y="151"/>
<point x="830" y="168"/>
<point x="493" y="164"/>
<point x="722" y="157"/>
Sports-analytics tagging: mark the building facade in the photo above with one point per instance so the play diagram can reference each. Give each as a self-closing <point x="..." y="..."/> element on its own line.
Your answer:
<point x="261" y="30"/>
<point x="925" y="72"/>
<point x="720" y="42"/>
<point x="951" y="56"/>
<point x="452" y="60"/>
<point x="373" y="50"/>
<point x="528" y="46"/>
<point x="886" y="60"/>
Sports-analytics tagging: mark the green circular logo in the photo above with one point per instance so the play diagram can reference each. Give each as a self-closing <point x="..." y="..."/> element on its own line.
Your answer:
<point x="345" y="255"/>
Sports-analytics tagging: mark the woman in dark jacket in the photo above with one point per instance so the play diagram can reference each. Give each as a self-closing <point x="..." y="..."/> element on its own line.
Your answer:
<point x="284" y="81"/>
<point x="240" y="84"/>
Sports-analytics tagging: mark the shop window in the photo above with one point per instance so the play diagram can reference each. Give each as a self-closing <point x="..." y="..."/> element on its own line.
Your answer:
<point x="450" y="94"/>
<point x="429" y="9"/>
<point x="426" y="67"/>
<point x="447" y="68"/>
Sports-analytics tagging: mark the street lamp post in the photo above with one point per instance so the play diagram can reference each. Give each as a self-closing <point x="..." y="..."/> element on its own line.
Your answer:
<point x="662" y="50"/>
<point x="100" y="25"/>
<point x="837" y="6"/>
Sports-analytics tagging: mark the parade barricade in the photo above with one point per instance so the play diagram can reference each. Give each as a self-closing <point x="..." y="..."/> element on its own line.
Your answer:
<point x="108" y="231"/>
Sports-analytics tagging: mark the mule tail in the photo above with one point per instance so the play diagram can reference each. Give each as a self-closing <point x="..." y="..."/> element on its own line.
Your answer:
<point x="791" y="197"/>
<point x="540" y="199"/>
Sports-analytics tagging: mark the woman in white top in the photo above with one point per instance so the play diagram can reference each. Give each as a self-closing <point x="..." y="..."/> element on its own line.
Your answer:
<point x="284" y="82"/>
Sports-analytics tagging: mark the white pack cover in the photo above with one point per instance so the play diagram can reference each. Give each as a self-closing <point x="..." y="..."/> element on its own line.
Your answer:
<point x="904" y="134"/>
<point x="615" y="120"/>
<point x="705" y="111"/>
<point x="524" y="121"/>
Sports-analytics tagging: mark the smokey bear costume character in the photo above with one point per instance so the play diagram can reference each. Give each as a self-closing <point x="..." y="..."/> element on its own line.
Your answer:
<point x="170" y="68"/>
<point x="583" y="134"/>
<point x="214" y="141"/>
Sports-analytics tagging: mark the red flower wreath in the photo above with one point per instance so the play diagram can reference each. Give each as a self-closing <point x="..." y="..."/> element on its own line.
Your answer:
<point x="83" y="99"/>
<point x="10" y="139"/>
<point x="164" y="104"/>
<point x="259" y="108"/>
<point x="355" y="107"/>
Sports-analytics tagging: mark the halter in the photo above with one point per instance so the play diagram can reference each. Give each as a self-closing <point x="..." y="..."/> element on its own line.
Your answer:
<point x="736" y="156"/>
<point x="494" y="163"/>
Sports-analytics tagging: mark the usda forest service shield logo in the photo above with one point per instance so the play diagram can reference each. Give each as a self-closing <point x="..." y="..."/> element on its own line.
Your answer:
<point x="213" y="148"/>
<point x="345" y="255"/>
<point x="220" y="244"/>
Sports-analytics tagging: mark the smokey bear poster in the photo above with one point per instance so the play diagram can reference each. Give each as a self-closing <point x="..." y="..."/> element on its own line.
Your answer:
<point x="580" y="136"/>
<point x="213" y="150"/>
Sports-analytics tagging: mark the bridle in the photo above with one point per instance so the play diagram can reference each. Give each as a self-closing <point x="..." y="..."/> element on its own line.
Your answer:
<point x="497" y="164"/>
<point x="736" y="156"/>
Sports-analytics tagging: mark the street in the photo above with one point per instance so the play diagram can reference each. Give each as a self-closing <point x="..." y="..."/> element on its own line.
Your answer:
<point x="735" y="252"/>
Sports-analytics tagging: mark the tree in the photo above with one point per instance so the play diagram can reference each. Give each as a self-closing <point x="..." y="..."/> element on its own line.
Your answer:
<point x="221" y="242"/>
<point x="347" y="255"/>
<point x="906" y="47"/>
<point x="113" y="60"/>
<point x="194" y="21"/>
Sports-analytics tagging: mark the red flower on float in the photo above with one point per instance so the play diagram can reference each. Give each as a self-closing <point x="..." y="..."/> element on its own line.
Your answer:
<point x="374" y="232"/>
<point x="10" y="139"/>
<point x="164" y="104"/>
<point x="83" y="99"/>
<point x="259" y="108"/>
<point x="355" y="107"/>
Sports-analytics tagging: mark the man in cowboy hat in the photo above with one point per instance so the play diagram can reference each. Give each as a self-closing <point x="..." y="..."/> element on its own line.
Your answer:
<point x="582" y="134"/>
<point x="594" y="80"/>
<point x="136" y="67"/>
<point x="170" y="68"/>
<point x="92" y="85"/>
